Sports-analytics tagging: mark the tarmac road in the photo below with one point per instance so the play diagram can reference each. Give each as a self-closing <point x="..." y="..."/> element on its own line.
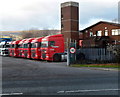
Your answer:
<point x="32" y="77"/>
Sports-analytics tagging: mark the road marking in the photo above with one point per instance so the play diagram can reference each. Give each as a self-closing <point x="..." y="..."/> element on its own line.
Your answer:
<point x="11" y="94"/>
<point x="96" y="90"/>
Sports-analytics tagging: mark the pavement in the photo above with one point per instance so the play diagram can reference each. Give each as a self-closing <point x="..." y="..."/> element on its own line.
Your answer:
<point x="32" y="77"/>
<point x="101" y="68"/>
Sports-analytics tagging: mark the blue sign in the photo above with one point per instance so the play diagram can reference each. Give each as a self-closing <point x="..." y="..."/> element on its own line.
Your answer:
<point x="5" y="39"/>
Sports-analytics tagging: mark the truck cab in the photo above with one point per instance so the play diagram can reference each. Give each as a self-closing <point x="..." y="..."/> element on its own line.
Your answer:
<point x="51" y="47"/>
<point x="36" y="48"/>
<point x="13" y="50"/>
<point x="20" y="48"/>
<point x="27" y="48"/>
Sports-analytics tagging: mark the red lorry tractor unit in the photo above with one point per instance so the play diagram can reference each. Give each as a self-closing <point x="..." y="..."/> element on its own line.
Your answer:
<point x="36" y="48"/>
<point x="10" y="49"/>
<point x="48" y="48"/>
<point x="13" y="50"/>
<point x="51" y="46"/>
<point x="20" y="48"/>
<point x="27" y="48"/>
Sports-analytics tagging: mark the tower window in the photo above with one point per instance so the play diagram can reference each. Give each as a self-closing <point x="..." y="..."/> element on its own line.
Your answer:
<point x="62" y="26"/>
<point x="62" y="16"/>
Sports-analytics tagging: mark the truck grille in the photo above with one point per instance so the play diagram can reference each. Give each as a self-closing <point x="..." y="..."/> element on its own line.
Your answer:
<point x="6" y="51"/>
<point x="33" y="54"/>
<point x="20" y="54"/>
<point x="25" y="54"/>
<point x="12" y="52"/>
<point x="43" y="55"/>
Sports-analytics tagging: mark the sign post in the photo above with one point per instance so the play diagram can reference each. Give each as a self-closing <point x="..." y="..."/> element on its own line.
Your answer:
<point x="68" y="54"/>
<point x="71" y="52"/>
<point x="68" y="57"/>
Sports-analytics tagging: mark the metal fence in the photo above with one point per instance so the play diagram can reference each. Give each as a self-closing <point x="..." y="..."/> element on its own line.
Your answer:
<point x="100" y="54"/>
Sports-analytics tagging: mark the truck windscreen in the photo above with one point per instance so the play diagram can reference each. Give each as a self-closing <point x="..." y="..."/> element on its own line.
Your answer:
<point x="44" y="44"/>
<point x="7" y="46"/>
<point x="25" y="45"/>
<point x="33" y="45"/>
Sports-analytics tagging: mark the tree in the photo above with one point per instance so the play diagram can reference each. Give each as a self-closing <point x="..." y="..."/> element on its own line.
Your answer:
<point x="38" y="33"/>
<point x="117" y="54"/>
<point x="116" y="51"/>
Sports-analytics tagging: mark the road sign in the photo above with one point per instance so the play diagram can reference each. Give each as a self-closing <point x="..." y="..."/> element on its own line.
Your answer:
<point x="72" y="50"/>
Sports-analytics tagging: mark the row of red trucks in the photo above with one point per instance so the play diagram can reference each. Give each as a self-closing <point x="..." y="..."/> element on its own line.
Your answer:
<point x="47" y="48"/>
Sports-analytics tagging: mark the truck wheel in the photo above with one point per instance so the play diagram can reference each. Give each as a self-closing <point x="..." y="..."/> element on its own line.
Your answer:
<point x="56" y="58"/>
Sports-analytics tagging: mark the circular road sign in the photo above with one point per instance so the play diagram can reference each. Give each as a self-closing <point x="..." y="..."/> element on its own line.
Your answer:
<point x="72" y="50"/>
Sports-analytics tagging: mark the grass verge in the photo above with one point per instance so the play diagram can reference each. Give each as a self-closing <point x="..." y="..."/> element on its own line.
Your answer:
<point x="97" y="65"/>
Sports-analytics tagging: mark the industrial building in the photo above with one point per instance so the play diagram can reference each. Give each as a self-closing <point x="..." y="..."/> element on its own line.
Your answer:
<point x="100" y="34"/>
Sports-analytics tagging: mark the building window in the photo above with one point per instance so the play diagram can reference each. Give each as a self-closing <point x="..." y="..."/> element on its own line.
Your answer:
<point x="105" y="27"/>
<point x="61" y="16"/>
<point x="98" y="33"/>
<point x="86" y="31"/>
<point x="91" y="34"/>
<point x="62" y="26"/>
<point x="115" y="31"/>
<point x="106" y="32"/>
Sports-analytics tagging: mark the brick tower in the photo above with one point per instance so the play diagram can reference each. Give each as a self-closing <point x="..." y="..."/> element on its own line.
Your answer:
<point x="70" y="21"/>
<point x="119" y="12"/>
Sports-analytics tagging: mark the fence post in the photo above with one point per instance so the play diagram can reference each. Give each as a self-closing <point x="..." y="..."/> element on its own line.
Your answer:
<point x="76" y="49"/>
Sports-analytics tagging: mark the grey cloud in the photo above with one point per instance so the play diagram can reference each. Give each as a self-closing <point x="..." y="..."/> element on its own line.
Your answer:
<point x="97" y="10"/>
<point x="46" y="14"/>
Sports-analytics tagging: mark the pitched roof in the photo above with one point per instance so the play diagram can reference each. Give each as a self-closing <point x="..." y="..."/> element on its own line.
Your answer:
<point x="110" y="23"/>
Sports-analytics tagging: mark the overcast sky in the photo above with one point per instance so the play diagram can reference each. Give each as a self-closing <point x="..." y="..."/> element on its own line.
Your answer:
<point x="45" y="14"/>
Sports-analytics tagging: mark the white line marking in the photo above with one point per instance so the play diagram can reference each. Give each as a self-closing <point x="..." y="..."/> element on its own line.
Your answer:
<point x="11" y="94"/>
<point x="97" y="90"/>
